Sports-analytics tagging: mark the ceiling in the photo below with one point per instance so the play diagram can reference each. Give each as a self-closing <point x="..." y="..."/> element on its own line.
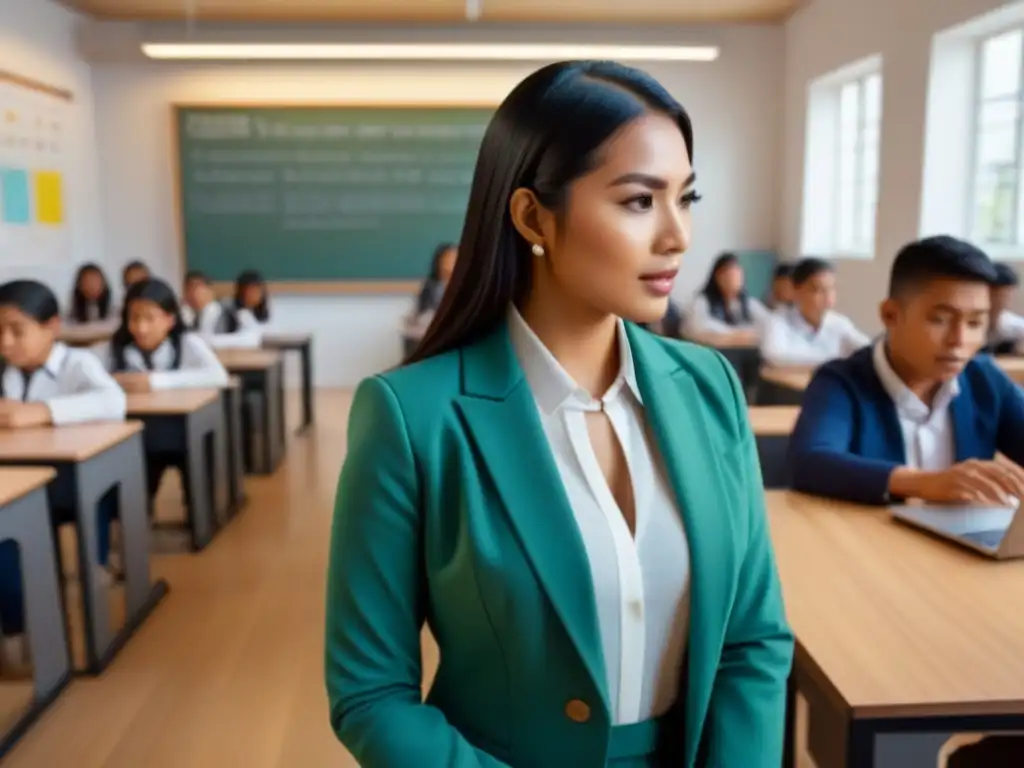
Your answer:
<point x="398" y="11"/>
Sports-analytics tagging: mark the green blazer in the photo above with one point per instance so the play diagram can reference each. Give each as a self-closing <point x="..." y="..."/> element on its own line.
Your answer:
<point x="450" y="511"/>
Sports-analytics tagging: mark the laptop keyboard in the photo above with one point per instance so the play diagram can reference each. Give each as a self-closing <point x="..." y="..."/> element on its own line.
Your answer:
<point x="986" y="538"/>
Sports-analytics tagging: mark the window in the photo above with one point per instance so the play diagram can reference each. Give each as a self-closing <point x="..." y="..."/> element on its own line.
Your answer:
<point x="858" y="131"/>
<point x="997" y="216"/>
<point x="841" y="171"/>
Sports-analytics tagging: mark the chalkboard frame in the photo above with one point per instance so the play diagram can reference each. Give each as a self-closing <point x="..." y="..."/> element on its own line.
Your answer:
<point x="304" y="287"/>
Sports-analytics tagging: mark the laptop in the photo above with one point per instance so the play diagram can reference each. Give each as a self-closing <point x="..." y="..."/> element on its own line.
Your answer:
<point x="996" y="532"/>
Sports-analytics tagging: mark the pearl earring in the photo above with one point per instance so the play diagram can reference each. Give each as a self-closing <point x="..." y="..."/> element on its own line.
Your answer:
<point x="538" y="250"/>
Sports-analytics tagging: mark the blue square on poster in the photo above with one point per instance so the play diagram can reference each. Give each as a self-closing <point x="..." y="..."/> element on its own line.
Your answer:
<point x="15" y="196"/>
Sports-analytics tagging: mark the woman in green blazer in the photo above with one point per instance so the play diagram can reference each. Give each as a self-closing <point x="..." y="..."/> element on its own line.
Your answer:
<point x="571" y="504"/>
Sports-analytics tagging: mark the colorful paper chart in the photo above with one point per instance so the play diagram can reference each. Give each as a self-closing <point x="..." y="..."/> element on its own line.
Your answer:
<point x="49" y="201"/>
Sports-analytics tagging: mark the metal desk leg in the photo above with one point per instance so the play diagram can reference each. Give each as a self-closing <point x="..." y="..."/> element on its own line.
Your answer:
<point x="27" y="521"/>
<point x="306" y="352"/>
<point x="122" y="465"/>
<point x="236" y="448"/>
<point x="206" y="472"/>
<point x="272" y="411"/>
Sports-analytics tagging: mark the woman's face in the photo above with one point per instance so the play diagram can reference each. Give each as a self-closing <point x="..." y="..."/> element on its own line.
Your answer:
<point x="446" y="265"/>
<point x="25" y="342"/>
<point x="617" y="247"/>
<point x="91" y="284"/>
<point x="148" y="324"/>
<point x="135" y="275"/>
<point x="730" y="280"/>
<point x="252" y="295"/>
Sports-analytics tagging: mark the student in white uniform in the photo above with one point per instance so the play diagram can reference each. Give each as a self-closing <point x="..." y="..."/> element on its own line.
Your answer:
<point x="251" y="304"/>
<point x="220" y="325"/>
<point x="91" y="297"/>
<point x="723" y="305"/>
<point x="44" y="382"/>
<point x="811" y="332"/>
<point x="1006" y="336"/>
<point x="153" y="350"/>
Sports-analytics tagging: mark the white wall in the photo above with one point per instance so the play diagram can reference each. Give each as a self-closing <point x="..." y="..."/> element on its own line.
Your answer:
<point x="37" y="41"/>
<point x="825" y="35"/>
<point x="734" y="103"/>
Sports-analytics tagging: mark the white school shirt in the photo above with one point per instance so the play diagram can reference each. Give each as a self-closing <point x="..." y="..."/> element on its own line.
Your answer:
<point x="74" y="385"/>
<point x="700" y="320"/>
<point x="790" y="340"/>
<point x="248" y="336"/>
<point x="928" y="436"/>
<point x="641" y="585"/>
<point x="198" y="366"/>
<point x="1009" y="326"/>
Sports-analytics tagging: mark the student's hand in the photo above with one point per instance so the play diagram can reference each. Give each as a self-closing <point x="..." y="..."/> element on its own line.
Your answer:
<point x="974" y="481"/>
<point x="133" y="382"/>
<point x="17" y="415"/>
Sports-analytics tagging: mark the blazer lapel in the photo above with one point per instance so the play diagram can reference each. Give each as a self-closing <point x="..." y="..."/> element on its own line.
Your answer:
<point x="965" y="433"/>
<point x="501" y="416"/>
<point x="677" y="420"/>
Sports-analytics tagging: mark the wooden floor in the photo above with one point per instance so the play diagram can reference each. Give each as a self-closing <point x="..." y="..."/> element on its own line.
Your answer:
<point x="229" y="669"/>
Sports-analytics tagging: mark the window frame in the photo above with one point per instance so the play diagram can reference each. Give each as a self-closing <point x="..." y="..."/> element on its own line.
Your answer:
<point x="978" y="101"/>
<point x="860" y="195"/>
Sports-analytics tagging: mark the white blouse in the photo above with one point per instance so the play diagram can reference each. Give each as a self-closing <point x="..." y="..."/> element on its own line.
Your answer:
<point x="641" y="584"/>
<point x="198" y="366"/>
<point x="248" y="336"/>
<point x="73" y="384"/>
<point x="789" y="339"/>
<point x="700" y="320"/>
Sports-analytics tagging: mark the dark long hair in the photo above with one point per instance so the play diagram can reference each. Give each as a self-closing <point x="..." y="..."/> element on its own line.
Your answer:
<point x="161" y="294"/>
<point x="718" y="306"/>
<point x="131" y="265"/>
<point x="251" y="277"/>
<point x="31" y="298"/>
<point x="546" y="134"/>
<point x="430" y="289"/>
<point x="79" y="302"/>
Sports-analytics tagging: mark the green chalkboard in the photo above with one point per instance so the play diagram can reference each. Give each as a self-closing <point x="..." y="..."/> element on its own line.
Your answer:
<point x="319" y="195"/>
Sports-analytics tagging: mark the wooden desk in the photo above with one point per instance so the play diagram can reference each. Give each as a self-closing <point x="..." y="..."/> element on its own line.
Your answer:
<point x="896" y="632"/>
<point x="89" y="460"/>
<point x="263" y="383"/>
<point x="1014" y="367"/>
<point x="88" y="334"/>
<point x="25" y="519"/>
<point x="303" y="344"/>
<point x="734" y="340"/>
<point x="191" y="423"/>
<point x="782" y="386"/>
<point x="772" y="425"/>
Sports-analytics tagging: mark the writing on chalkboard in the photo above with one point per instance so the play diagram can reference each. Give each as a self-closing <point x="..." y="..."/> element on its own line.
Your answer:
<point x="322" y="192"/>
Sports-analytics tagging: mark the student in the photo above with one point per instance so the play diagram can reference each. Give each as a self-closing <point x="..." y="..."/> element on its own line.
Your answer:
<point x="134" y="272"/>
<point x="918" y="414"/>
<point x="1006" y="336"/>
<point x="723" y="305"/>
<point x="251" y="299"/>
<point x="44" y="382"/>
<point x="782" y="287"/>
<point x="153" y="350"/>
<point x="90" y="299"/>
<point x="442" y="265"/>
<point x="810" y="332"/>
<point x="220" y="325"/>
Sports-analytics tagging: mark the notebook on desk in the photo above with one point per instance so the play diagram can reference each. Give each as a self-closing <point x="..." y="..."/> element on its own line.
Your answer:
<point x="996" y="532"/>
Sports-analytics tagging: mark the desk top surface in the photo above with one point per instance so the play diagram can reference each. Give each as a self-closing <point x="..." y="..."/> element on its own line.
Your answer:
<point x="248" y="359"/>
<point x="734" y="340"/>
<point x="773" y="420"/>
<point x="77" y="442"/>
<point x="170" y="402"/>
<point x="87" y="333"/>
<point x="1013" y="365"/>
<point x="901" y="623"/>
<point x="791" y="378"/>
<point x="16" y="482"/>
<point x="286" y="340"/>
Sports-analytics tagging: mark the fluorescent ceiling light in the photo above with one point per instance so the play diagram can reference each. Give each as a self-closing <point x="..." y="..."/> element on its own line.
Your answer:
<point x="429" y="51"/>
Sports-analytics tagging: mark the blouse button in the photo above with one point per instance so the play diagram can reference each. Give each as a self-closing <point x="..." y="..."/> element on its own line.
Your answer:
<point x="577" y="711"/>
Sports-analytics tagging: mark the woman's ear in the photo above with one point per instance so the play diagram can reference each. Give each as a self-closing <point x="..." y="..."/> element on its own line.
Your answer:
<point x="534" y="222"/>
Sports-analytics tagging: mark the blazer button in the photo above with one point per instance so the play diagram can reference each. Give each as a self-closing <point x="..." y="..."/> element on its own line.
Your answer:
<point x="577" y="711"/>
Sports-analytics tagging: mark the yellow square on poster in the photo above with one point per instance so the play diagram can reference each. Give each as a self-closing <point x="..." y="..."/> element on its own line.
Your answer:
<point x="49" y="200"/>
